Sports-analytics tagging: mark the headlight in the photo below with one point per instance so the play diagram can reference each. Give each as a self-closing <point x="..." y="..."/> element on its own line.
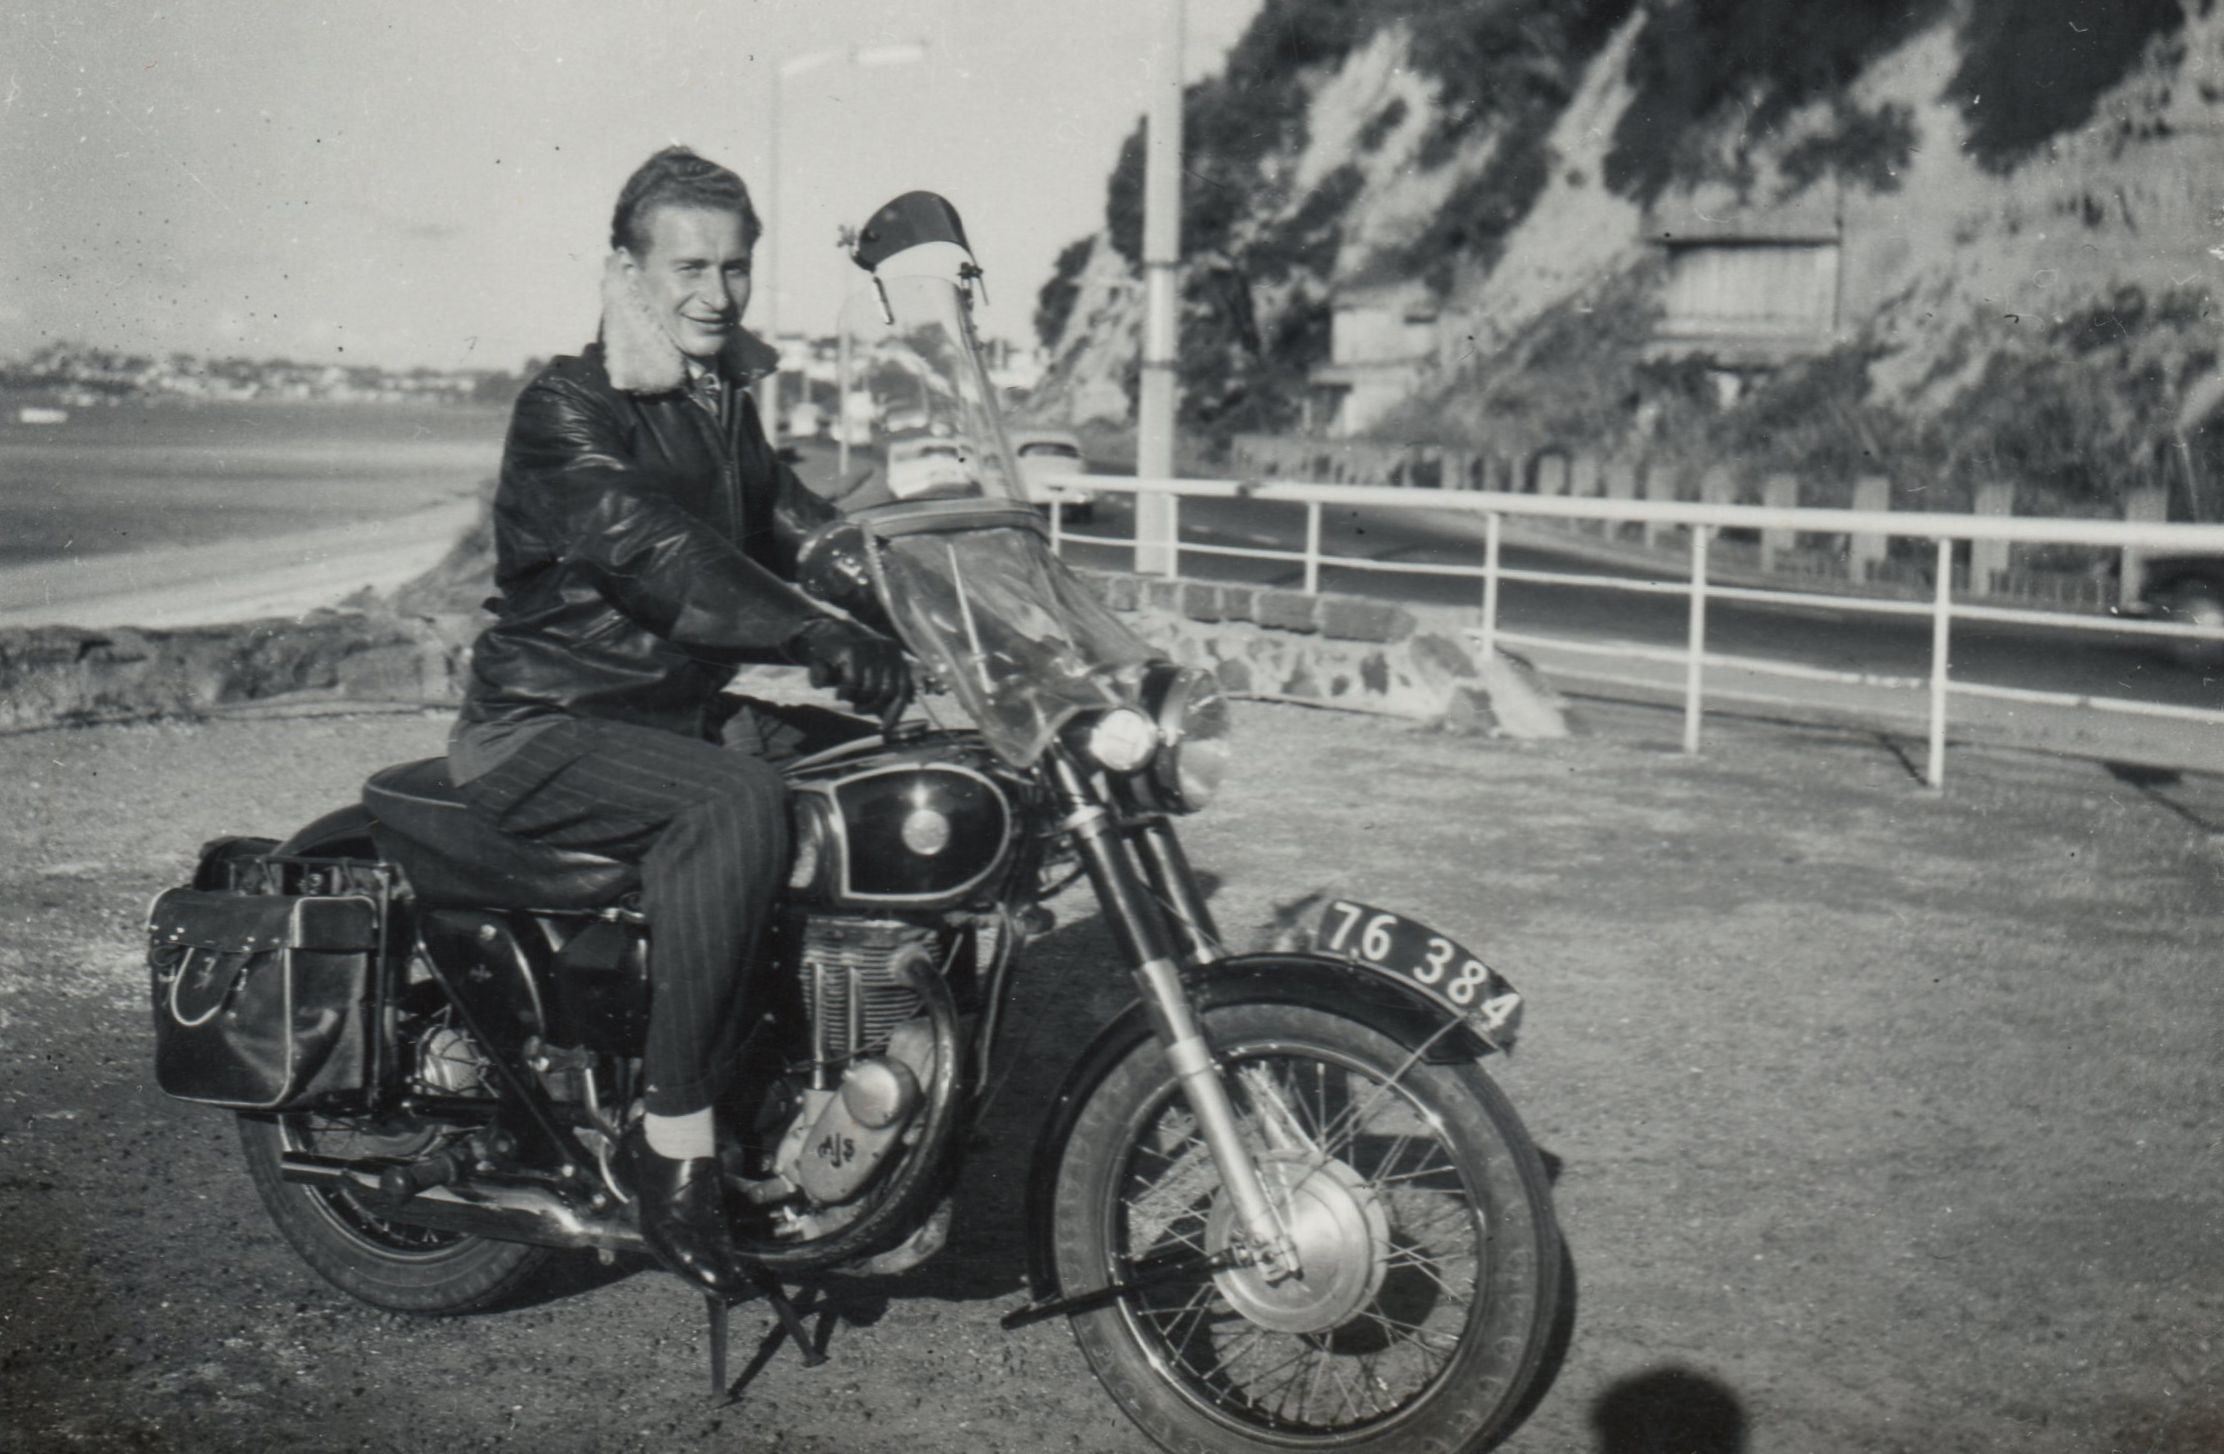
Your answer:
<point x="1122" y="740"/>
<point x="1193" y="731"/>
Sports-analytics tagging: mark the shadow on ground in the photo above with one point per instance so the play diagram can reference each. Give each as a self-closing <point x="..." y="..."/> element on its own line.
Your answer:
<point x="1668" y="1410"/>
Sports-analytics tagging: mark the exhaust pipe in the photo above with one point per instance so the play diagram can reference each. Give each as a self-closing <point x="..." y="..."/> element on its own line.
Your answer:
<point x="507" y="1211"/>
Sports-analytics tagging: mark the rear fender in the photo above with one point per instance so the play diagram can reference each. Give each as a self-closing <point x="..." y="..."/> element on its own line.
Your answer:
<point x="341" y="833"/>
<point x="1373" y="997"/>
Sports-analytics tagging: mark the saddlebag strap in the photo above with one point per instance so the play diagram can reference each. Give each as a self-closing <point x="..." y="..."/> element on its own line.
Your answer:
<point x="260" y="1000"/>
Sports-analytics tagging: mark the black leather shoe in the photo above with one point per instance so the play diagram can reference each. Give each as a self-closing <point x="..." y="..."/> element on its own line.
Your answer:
<point x="683" y="1213"/>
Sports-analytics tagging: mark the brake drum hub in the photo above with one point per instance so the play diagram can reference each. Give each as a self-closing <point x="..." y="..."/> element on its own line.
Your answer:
<point x="1341" y="1234"/>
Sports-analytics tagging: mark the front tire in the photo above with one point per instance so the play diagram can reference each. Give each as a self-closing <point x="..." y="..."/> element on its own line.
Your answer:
<point x="388" y="1265"/>
<point x="1432" y="1266"/>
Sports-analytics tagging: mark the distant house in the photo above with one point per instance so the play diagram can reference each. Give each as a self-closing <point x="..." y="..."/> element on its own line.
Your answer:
<point x="1012" y="367"/>
<point x="1748" y="288"/>
<point x="1384" y="340"/>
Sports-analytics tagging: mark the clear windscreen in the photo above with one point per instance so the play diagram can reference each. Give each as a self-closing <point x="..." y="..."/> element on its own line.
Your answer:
<point x="1020" y="642"/>
<point x="936" y="429"/>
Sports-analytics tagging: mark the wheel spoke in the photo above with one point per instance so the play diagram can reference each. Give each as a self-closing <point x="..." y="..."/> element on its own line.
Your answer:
<point x="1447" y="1169"/>
<point x="1156" y="1209"/>
<point x="1456" y="1209"/>
<point x="1301" y="1365"/>
<point x="1192" y="1313"/>
<point x="1313" y="1372"/>
<point x="1427" y="1267"/>
<point x="1344" y="1377"/>
<point x="1371" y="1382"/>
<point x="1397" y="1152"/>
<point x="1331" y="1138"/>
<point x="1404" y="1331"/>
<point x="1253" y="1339"/>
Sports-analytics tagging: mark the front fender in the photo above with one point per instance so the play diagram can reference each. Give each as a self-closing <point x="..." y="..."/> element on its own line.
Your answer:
<point x="1374" y="997"/>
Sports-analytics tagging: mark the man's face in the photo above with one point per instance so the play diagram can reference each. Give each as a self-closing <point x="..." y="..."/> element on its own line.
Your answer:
<point x="695" y="275"/>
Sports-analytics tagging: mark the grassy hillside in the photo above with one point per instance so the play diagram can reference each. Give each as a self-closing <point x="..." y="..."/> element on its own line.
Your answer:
<point x="2031" y="319"/>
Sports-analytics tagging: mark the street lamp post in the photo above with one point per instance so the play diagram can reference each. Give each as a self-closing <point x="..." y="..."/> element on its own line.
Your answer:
<point x="1156" y="402"/>
<point x="897" y="53"/>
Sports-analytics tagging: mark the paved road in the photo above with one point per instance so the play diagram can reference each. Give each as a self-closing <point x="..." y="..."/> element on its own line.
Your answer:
<point x="2110" y="665"/>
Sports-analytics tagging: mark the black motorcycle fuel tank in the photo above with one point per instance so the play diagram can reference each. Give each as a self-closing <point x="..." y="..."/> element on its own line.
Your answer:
<point x="928" y="828"/>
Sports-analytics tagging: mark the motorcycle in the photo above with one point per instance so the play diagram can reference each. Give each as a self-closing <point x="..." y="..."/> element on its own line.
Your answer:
<point x="1279" y="1198"/>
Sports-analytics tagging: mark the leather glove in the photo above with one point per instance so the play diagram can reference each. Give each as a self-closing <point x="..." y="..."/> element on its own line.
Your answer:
<point x="866" y="669"/>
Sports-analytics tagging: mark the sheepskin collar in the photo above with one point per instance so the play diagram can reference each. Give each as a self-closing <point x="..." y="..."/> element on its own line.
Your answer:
<point x="640" y="356"/>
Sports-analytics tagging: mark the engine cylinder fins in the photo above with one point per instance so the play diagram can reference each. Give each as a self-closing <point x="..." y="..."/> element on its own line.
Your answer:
<point x="857" y="983"/>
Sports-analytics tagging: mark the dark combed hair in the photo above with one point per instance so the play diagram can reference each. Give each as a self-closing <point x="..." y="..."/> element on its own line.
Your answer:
<point x="676" y="177"/>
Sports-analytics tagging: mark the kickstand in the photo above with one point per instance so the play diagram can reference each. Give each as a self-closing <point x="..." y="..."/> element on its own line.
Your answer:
<point x="718" y="1320"/>
<point x="791" y="1320"/>
<point x="789" y="1327"/>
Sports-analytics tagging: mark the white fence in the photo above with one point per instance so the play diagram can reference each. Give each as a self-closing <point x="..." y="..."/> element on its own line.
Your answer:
<point x="1163" y="556"/>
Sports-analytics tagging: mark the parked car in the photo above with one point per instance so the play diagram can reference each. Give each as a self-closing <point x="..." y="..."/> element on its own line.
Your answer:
<point x="2188" y="589"/>
<point x="931" y="467"/>
<point x="1046" y="452"/>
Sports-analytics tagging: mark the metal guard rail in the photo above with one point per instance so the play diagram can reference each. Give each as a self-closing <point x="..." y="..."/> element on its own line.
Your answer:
<point x="1701" y="520"/>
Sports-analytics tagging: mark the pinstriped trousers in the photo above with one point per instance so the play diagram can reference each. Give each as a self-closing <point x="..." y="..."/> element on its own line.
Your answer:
<point x="709" y="827"/>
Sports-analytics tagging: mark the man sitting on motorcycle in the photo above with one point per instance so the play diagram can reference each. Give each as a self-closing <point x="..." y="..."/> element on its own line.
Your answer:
<point x="645" y="539"/>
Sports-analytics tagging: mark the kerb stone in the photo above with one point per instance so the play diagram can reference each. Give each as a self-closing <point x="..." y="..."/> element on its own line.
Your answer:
<point x="1343" y="618"/>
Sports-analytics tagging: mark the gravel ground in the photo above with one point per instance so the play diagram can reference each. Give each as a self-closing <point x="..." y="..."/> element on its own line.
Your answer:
<point x="1883" y="1121"/>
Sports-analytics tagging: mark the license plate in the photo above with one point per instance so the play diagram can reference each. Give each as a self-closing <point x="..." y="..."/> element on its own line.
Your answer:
<point x="1420" y="955"/>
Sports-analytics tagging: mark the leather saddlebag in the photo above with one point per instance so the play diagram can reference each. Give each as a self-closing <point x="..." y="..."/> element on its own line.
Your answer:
<point x="261" y="1001"/>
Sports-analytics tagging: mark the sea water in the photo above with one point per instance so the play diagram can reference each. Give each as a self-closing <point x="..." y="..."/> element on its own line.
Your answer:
<point x="134" y="477"/>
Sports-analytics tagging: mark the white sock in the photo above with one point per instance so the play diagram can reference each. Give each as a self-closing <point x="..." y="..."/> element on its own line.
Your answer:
<point x="681" y="1137"/>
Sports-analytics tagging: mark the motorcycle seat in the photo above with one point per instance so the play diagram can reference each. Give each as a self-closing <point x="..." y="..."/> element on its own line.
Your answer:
<point x="454" y="856"/>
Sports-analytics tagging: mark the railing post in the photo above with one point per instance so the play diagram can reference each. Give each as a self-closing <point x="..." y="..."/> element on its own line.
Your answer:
<point x="1173" y="533"/>
<point x="1312" y="547"/>
<point x="1942" y="612"/>
<point x="1490" y="584"/>
<point x="1057" y="527"/>
<point x="1695" y="660"/>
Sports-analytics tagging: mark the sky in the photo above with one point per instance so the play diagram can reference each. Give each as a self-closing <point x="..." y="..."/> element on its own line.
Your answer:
<point x="404" y="183"/>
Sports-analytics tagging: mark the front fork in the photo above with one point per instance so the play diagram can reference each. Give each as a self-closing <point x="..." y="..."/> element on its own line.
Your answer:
<point x="1157" y="912"/>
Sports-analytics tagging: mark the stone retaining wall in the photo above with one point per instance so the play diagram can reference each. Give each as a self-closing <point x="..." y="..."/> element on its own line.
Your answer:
<point x="1335" y="651"/>
<point x="1340" y="651"/>
<point x="51" y="675"/>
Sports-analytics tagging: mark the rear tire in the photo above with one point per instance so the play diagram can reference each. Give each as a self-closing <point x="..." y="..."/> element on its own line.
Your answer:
<point x="388" y="1265"/>
<point x="1432" y="1292"/>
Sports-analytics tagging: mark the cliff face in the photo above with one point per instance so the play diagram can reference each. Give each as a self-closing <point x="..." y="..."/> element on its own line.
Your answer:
<point x="2023" y="194"/>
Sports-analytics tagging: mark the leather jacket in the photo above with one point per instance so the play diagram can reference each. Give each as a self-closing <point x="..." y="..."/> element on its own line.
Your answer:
<point x="643" y="550"/>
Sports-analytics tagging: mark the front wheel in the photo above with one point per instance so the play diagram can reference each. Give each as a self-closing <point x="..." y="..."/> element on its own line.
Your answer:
<point x="1431" y="1266"/>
